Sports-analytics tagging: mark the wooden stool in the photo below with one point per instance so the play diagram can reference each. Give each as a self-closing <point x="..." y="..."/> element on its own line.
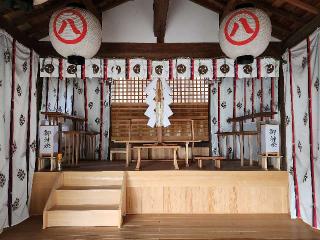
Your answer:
<point x="91" y="145"/>
<point x="117" y="150"/>
<point x="216" y="160"/>
<point x="264" y="160"/>
<point x="42" y="159"/>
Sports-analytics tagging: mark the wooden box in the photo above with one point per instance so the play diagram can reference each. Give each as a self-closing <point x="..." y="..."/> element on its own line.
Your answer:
<point x="270" y="139"/>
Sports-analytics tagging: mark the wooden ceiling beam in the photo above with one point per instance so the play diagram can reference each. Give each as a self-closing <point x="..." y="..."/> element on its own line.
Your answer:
<point x="161" y="50"/>
<point x="107" y="5"/>
<point x="304" y="6"/>
<point x="211" y="5"/>
<point x="90" y="6"/>
<point x="278" y="3"/>
<point x="276" y="11"/>
<point x="228" y="8"/>
<point x="160" y="12"/>
<point x="19" y="35"/>
<point x="302" y="33"/>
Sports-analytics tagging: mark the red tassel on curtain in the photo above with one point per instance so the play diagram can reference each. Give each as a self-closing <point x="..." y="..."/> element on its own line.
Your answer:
<point x="314" y="202"/>
<point x="192" y="69"/>
<point x="13" y="87"/>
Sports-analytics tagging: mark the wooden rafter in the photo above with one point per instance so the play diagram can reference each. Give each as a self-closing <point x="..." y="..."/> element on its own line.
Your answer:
<point x="107" y="5"/>
<point x="19" y="35"/>
<point x="162" y="50"/>
<point x="92" y="8"/>
<point x="302" y="33"/>
<point x="228" y="8"/>
<point x="212" y="5"/>
<point x="160" y="12"/>
<point x="303" y="5"/>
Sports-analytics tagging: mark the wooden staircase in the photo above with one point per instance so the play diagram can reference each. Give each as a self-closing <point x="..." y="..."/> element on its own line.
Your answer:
<point x="86" y="199"/>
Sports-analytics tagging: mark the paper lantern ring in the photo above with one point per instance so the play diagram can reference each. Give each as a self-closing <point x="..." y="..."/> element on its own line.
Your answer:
<point x="245" y="34"/>
<point x="75" y="33"/>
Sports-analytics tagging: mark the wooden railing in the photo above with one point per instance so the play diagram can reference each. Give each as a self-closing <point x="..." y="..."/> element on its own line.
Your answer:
<point x="179" y="130"/>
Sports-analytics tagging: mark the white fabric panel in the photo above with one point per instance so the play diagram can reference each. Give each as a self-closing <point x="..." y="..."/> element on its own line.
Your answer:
<point x="19" y="168"/>
<point x="138" y="68"/>
<point x="289" y="148"/>
<point x="62" y="95"/>
<point x="78" y="101"/>
<point x="214" y="108"/>
<point x="225" y="68"/>
<point x="106" y="121"/>
<point x="269" y="67"/>
<point x="160" y="69"/>
<point x="52" y="91"/>
<point x="203" y="69"/>
<point x="71" y="70"/>
<point x="248" y="70"/>
<point x="315" y="75"/>
<point x="33" y="119"/>
<point x="226" y="111"/>
<point x="69" y="95"/>
<point x="116" y="68"/>
<point x="184" y="71"/>
<point x="5" y="107"/>
<point x="300" y="96"/>
<point x="94" y="68"/>
<point x="49" y="67"/>
<point x="93" y="93"/>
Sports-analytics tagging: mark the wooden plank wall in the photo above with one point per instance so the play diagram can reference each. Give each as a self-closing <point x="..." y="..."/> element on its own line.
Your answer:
<point x="190" y="192"/>
<point x="128" y="121"/>
<point x="196" y="192"/>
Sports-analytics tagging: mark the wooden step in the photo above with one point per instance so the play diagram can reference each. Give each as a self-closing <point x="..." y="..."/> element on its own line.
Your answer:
<point x="82" y="215"/>
<point x="89" y="196"/>
<point x="92" y="178"/>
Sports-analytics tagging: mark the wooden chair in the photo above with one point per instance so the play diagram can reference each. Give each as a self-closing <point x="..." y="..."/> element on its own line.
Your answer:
<point x="217" y="160"/>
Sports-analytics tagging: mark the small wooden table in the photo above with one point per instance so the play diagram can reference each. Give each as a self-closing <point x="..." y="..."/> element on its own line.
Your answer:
<point x="216" y="160"/>
<point x="174" y="148"/>
<point x="129" y="142"/>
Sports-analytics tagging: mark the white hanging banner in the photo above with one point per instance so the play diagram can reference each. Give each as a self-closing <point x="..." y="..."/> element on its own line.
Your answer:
<point x="49" y="67"/>
<point x="224" y="68"/>
<point x="203" y="69"/>
<point x="71" y="70"/>
<point x="116" y="68"/>
<point x="94" y="68"/>
<point x="248" y="70"/>
<point x="160" y="69"/>
<point x="181" y="68"/>
<point x="138" y="68"/>
<point x="269" y="67"/>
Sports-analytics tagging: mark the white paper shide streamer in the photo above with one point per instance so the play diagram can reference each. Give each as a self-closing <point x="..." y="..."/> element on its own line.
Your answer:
<point x="158" y="100"/>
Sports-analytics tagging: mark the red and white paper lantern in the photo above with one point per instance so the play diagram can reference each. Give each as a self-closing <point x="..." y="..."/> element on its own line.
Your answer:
<point x="75" y="32"/>
<point x="245" y="32"/>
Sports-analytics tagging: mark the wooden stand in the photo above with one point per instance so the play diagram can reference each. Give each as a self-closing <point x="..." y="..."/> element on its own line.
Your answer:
<point x="174" y="148"/>
<point x="216" y="160"/>
<point x="264" y="160"/>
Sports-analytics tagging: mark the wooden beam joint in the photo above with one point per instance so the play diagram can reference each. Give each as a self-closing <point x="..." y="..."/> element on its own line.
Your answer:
<point x="160" y="9"/>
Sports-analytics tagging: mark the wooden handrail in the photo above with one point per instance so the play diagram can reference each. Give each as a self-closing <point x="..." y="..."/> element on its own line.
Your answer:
<point x="250" y="116"/>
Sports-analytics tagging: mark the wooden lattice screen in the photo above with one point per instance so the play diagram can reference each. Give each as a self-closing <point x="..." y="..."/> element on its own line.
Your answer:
<point x="183" y="90"/>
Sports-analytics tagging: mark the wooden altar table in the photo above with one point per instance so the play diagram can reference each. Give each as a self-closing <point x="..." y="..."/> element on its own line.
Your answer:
<point x="151" y="146"/>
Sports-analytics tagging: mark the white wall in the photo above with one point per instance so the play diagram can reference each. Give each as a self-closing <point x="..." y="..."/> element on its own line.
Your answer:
<point x="189" y="22"/>
<point x="133" y="22"/>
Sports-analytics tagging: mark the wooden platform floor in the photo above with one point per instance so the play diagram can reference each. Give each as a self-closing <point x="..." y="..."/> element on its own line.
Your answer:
<point x="173" y="227"/>
<point x="153" y="165"/>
